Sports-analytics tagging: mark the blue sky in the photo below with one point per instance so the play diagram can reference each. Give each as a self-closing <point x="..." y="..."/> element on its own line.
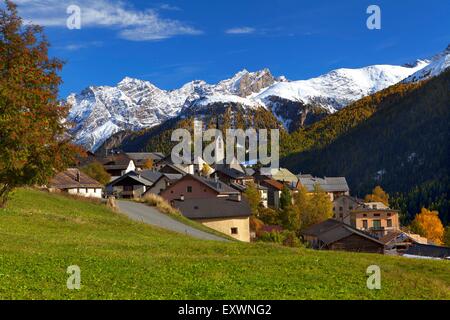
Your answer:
<point x="172" y="42"/>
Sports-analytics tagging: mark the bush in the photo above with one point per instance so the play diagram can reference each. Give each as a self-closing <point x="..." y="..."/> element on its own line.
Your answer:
<point x="285" y="238"/>
<point x="160" y="203"/>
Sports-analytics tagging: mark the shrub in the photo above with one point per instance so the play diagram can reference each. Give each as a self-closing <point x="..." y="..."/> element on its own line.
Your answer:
<point x="285" y="238"/>
<point x="160" y="203"/>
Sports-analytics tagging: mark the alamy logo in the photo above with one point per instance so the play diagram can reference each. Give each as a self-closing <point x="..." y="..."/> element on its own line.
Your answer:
<point x="249" y="146"/>
<point x="374" y="279"/>
<point x="374" y="20"/>
<point x="74" y="19"/>
<point x="74" y="280"/>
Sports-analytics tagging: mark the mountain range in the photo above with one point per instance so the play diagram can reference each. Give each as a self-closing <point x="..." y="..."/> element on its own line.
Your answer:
<point x="99" y="112"/>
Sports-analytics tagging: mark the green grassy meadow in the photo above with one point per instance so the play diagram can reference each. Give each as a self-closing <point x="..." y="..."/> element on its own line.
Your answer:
<point x="42" y="234"/>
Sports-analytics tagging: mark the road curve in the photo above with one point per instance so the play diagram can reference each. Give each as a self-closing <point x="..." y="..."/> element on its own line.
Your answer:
<point x="144" y="213"/>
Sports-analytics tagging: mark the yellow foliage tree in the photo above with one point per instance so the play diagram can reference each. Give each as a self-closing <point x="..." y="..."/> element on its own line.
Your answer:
<point x="378" y="195"/>
<point x="428" y="225"/>
<point x="148" y="164"/>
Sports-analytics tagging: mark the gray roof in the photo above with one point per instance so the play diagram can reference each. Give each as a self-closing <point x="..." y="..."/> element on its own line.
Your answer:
<point x="213" y="208"/>
<point x="249" y="171"/>
<point x="328" y="184"/>
<point x="426" y="250"/>
<point x="229" y="171"/>
<point x="150" y="175"/>
<point x="145" y="155"/>
<point x="216" y="185"/>
<point x="331" y="230"/>
<point x="132" y="175"/>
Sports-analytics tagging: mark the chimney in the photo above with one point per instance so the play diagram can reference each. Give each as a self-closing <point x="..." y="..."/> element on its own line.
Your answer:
<point x="182" y="197"/>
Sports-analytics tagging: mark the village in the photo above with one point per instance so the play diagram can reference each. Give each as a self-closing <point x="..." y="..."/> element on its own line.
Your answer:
<point x="216" y="196"/>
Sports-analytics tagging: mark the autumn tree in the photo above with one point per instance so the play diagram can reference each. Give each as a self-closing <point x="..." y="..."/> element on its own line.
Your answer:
<point x="378" y="195"/>
<point x="148" y="164"/>
<point x="428" y="225"/>
<point x="253" y="197"/>
<point x="447" y="237"/>
<point x="315" y="207"/>
<point x="96" y="171"/>
<point x="32" y="147"/>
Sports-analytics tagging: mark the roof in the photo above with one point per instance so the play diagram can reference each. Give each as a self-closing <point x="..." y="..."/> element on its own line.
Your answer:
<point x="150" y="175"/>
<point x="427" y="250"/>
<point x="115" y="159"/>
<point x="283" y="174"/>
<point x="330" y="231"/>
<point x="231" y="172"/>
<point x="73" y="178"/>
<point x="213" y="208"/>
<point x="328" y="184"/>
<point x="172" y="177"/>
<point x="274" y="184"/>
<point x="132" y="175"/>
<point x="174" y="167"/>
<point x="249" y="172"/>
<point x="216" y="185"/>
<point x="354" y="199"/>
<point x="142" y="156"/>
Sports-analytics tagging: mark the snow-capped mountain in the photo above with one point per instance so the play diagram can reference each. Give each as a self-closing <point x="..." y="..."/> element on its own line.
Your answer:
<point x="438" y="64"/>
<point x="340" y="87"/>
<point x="99" y="112"/>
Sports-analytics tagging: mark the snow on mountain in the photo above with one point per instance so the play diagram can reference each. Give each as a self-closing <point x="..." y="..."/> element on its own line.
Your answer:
<point x="99" y="112"/>
<point x="438" y="64"/>
<point x="338" y="88"/>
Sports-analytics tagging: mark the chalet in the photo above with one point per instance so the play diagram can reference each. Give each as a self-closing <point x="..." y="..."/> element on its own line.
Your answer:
<point x="282" y="175"/>
<point x="335" y="235"/>
<point x="274" y="189"/>
<point x="378" y="222"/>
<point x="131" y="185"/>
<point x="230" y="215"/>
<point x="117" y="165"/>
<point x="333" y="186"/>
<point x="426" y="251"/>
<point x="197" y="187"/>
<point x="74" y="181"/>
<point x="141" y="159"/>
<point x="163" y="182"/>
<point x="397" y="242"/>
<point x="343" y="205"/>
<point x="230" y="175"/>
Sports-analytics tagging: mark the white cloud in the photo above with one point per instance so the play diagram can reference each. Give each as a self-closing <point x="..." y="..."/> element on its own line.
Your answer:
<point x="240" y="30"/>
<point x="130" y="23"/>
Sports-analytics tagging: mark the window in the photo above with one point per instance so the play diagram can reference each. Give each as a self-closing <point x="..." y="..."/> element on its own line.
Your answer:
<point x="377" y="224"/>
<point x="376" y="215"/>
<point x="189" y="189"/>
<point x="364" y="215"/>
<point x="234" y="230"/>
<point x="365" y="224"/>
<point x="350" y="207"/>
<point x="127" y="188"/>
<point x="389" y="223"/>
<point x="341" y="215"/>
<point x="389" y="214"/>
<point x="341" y="209"/>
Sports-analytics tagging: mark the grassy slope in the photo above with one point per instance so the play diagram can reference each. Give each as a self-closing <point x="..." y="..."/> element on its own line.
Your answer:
<point x="41" y="234"/>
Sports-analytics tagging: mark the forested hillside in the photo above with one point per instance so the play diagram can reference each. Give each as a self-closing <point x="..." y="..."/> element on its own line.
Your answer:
<point x="403" y="145"/>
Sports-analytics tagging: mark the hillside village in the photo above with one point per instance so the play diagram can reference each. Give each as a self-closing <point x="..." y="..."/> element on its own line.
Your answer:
<point x="220" y="197"/>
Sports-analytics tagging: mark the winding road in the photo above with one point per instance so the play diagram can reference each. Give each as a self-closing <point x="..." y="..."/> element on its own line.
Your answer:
<point x="143" y="213"/>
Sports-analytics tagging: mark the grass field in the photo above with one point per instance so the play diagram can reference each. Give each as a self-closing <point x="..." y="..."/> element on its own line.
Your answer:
<point x="42" y="234"/>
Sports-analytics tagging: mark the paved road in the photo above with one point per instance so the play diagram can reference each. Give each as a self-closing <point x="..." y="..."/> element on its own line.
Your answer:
<point x="143" y="213"/>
